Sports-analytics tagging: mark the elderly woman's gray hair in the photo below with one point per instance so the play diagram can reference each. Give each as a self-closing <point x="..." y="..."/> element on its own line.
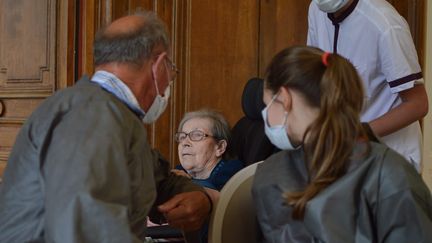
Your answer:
<point x="131" y="46"/>
<point x="220" y="128"/>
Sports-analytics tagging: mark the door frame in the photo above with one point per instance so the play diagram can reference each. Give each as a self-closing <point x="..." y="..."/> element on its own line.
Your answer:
<point x="427" y="122"/>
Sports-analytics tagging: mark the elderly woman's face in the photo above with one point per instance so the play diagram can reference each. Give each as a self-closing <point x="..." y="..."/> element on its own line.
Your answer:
<point x="196" y="156"/>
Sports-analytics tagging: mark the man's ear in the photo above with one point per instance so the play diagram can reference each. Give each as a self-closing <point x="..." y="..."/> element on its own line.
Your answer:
<point x="221" y="147"/>
<point x="285" y="97"/>
<point x="158" y="63"/>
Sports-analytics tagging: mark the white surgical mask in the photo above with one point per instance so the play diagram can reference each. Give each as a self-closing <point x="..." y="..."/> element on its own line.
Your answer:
<point x="277" y="134"/>
<point x="160" y="103"/>
<point x="157" y="107"/>
<point x="330" y="6"/>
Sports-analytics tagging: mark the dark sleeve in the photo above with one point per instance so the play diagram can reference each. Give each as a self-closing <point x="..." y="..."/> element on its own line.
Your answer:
<point x="404" y="207"/>
<point x="86" y="175"/>
<point x="168" y="184"/>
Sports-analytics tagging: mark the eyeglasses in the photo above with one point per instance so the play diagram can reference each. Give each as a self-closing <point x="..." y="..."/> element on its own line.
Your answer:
<point x="195" y="135"/>
<point x="171" y="65"/>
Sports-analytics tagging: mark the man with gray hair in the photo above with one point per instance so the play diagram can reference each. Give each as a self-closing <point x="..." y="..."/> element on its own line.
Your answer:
<point x="81" y="169"/>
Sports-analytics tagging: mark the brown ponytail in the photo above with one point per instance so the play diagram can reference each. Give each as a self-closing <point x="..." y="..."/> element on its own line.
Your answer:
<point x="331" y="83"/>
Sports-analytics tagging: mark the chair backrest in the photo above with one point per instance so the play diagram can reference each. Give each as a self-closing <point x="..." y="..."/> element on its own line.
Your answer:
<point x="248" y="139"/>
<point x="234" y="218"/>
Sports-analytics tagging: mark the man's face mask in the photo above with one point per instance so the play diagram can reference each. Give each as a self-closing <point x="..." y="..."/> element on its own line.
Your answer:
<point x="160" y="102"/>
<point x="330" y="6"/>
<point x="157" y="107"/>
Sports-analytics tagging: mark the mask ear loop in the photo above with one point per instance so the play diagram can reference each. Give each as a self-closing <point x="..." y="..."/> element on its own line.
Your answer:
<point x="273" y="99"/>
<point x="160" y="58"/>
<point x="285" y="118"/>
<point x="271" y="102"/>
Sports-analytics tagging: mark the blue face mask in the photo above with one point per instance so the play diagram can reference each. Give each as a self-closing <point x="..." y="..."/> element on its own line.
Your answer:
<point x="277" y="134"/>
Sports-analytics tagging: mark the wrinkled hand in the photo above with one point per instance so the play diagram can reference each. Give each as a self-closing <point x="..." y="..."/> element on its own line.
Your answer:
<point x="186" y="211"/>
<point x="181" y="173"/>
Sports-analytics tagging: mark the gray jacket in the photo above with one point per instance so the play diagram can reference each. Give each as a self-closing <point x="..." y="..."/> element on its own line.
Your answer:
<point x="380" y="199"/>
<point x="81" y="170"/>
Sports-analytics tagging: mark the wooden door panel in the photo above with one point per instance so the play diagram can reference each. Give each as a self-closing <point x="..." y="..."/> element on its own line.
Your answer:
<point x="27" y="63"/>
<point x="140" y="4"/>
<point x="282" y="24"/>
<point x="36" y="58"/>
<point x="8" y="133"/>
<point x="27" y="45"/>
<point x="222" y="51"/>
<point x="19" y="108"/>
<point x="13" y="113"/>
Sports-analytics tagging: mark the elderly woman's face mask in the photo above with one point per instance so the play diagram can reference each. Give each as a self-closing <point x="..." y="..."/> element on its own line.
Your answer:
<point x="197" y="149"/>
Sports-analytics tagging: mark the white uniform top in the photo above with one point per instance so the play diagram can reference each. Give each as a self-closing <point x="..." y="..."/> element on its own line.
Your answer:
<point x="377" y="40"/>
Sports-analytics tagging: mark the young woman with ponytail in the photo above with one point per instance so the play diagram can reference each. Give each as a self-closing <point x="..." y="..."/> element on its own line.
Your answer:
<point x="333" y="181"/>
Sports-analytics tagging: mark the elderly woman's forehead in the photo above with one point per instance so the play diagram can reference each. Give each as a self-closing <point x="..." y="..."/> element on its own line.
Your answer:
<point x="198" y="123"/>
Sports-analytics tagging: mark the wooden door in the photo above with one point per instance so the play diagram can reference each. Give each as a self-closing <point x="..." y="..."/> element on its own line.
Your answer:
<point x="36" y="58"/>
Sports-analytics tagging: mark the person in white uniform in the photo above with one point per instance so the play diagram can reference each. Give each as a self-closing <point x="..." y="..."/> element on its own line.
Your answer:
<point x="377" y="40"/>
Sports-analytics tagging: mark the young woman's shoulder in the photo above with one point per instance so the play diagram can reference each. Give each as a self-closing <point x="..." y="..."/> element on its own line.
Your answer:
<point x="286" y="169"/>
<point x="395" y="173"/>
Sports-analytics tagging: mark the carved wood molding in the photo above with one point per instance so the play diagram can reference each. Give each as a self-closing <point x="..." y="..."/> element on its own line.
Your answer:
<point x="3" y="157"/>
<point x="16" y="50"/>
<point x="26" y="92"/>
<point x="3" y="161"/>
<point x="2" y="108"/>
<point x="26" y="81"/>
<point x="12" y="121"/>
<point x="66" y="43"/>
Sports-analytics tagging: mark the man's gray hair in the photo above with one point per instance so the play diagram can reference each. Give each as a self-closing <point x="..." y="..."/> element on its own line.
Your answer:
<point x="134" y="46"/>
<point x="220" y="128"/>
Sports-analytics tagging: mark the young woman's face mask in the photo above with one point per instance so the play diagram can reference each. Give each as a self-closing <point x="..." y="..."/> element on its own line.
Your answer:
<point x="277" y="134"/>
<point x="330" y="6"/>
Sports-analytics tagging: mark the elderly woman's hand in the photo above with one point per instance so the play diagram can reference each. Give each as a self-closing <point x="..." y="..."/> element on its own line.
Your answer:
<point x="181" y="173"/>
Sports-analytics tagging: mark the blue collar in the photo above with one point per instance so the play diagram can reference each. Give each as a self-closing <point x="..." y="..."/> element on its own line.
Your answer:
<point x="115" y="86"/>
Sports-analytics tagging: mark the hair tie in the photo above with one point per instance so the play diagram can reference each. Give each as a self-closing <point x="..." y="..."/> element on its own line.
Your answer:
<point x="324" y="58"/>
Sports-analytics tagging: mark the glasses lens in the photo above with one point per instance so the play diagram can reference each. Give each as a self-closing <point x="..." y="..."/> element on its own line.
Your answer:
<point x="180" y="136"/>
<point x="173" y="66"/>
<point x="169" y="64"/>
<point x="196" y="135"/>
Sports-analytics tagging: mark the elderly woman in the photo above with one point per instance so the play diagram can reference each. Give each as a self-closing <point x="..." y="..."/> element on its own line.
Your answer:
<point x="203" y="140"/>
